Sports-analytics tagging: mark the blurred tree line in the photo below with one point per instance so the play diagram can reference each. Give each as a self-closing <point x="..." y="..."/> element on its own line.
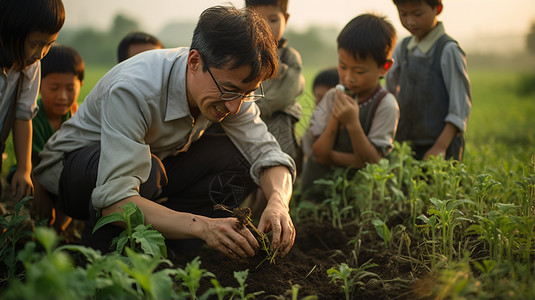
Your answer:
<point x="317" y="45"/>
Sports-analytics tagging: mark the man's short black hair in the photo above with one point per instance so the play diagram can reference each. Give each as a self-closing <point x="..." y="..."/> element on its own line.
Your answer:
<point x="230" y="37"/>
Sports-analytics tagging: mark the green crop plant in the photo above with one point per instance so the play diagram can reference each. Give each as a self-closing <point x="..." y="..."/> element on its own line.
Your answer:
<point x="501" y="231"/>
<point x="448" y="218"/>
<point x="336" y="201"/>
<point x="191" y="277"/>
<point x="241" y="277"/>
<point x="155" y="285"/>
<point x="136" y="232"/>
<point x="12" y="231"/>
<point x="484" y="185"/>
<point x="383" y="231"/>
<point x="351" y="278"/>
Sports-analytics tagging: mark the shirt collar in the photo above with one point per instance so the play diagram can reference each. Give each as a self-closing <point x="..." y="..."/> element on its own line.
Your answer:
<point x="428" y="41"/>
<point x="176" y="94"/>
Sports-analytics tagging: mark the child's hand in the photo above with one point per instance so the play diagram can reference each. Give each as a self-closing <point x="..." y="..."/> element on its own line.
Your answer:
<point x="21" y="185"/>
<point x="345" y="109"/>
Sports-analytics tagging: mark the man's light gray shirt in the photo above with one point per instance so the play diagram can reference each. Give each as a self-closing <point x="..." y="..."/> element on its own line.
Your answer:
<point x="138" y="108"/>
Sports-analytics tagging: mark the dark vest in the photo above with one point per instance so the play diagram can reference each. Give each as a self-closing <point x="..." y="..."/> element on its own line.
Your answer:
<point x="423" y="98"/>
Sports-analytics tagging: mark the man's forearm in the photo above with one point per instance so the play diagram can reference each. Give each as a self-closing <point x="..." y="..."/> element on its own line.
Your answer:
<point x="276" y="182"/>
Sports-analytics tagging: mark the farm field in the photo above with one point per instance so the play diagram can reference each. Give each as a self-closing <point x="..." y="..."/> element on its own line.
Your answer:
<point x="401" y="229"/>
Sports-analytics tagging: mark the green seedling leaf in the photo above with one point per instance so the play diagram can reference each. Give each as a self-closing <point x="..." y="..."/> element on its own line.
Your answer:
<point x="113" y="217"/>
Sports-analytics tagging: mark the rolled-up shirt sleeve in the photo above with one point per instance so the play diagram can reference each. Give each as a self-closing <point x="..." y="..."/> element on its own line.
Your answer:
<point x="250" y="135"/>
<point x="125" y="159"/>
<point x="455" y="73"/>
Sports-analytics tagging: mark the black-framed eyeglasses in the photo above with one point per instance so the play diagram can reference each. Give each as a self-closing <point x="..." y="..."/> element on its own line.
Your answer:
<point x="228" y="96"/>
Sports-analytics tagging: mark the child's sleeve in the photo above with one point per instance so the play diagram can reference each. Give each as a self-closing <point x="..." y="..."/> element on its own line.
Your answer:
<point x="27" y="104"/>
<point x="282" y="91"/>
<point x="384" y="125"/>
<point x="457" y="82"/>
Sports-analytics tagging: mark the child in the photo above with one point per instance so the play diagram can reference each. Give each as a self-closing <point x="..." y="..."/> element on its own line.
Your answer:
<point x="430" y="81"/>
<point x="279" y="109"/>
<point x="351" y="131"/>
<point x="136" y="42"/>
<point x="324" y="81"/>
<point x="27" y="30"/>
<point x="62" y="75"/>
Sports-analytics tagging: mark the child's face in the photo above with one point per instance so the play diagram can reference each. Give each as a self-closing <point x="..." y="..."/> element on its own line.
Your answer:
<point x="37" y="45"/>
<point x="59" y="92"/>
<point x="274" y="17"/>
<point x="418" y="17"/>
<point x="361" y="76"/>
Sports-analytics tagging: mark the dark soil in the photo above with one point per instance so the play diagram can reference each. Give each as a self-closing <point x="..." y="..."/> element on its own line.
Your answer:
<point x="317" y="248"/>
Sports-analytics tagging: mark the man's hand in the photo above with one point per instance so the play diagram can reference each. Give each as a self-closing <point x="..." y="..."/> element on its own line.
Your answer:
<point x="276" y="218"/>
<point x="223" y="235"/>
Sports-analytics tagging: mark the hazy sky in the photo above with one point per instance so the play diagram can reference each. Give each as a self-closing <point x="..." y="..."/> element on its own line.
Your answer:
<point x="463" y="18"/>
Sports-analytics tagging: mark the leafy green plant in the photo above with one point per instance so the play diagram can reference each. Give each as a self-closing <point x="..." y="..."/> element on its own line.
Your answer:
<point x="136" y="232"/>
<point x="294" y="294"/>
<point x="191" y="276"/>
<point x="350" y="278"/>
<point x="12" y="231"/>
<point x="383" y="231"/>
<point x="241" y="277"/>
<point x="336" y="193"/>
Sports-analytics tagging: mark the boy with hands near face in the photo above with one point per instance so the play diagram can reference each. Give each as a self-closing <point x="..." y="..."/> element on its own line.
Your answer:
<point x="356" y="126"/>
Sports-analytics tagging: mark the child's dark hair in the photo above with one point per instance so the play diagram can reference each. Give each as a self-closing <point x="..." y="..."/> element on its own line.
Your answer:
<point x="368" y="35"/>
<point x="328" y="77"/>
<point x="63" y="59"/>
<point x="19" y="19"/>
<point x="432" y="3"/>
<point x="135" y="37"/>
<point x="282" y="4"/>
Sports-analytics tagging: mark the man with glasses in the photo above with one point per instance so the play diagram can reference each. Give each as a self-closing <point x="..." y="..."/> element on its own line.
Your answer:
<point x="140" y="137"/>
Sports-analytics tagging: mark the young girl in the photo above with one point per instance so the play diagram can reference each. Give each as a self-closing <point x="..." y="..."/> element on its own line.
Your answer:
<point x="27" y="30"/>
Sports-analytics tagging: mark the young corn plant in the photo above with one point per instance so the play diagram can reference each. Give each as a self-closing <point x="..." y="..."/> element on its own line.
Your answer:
<point x="383" y="231"/>
<point x="241" y="277"/>
<point x="191" y="277"/>
<point x="448" y="218"/>
<point x="155" y="285"/>
<point x="337" y="199"/>
<point x="136" y="232"/>
<point x="351" y="278"/>
<point x="483" y="188"/>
